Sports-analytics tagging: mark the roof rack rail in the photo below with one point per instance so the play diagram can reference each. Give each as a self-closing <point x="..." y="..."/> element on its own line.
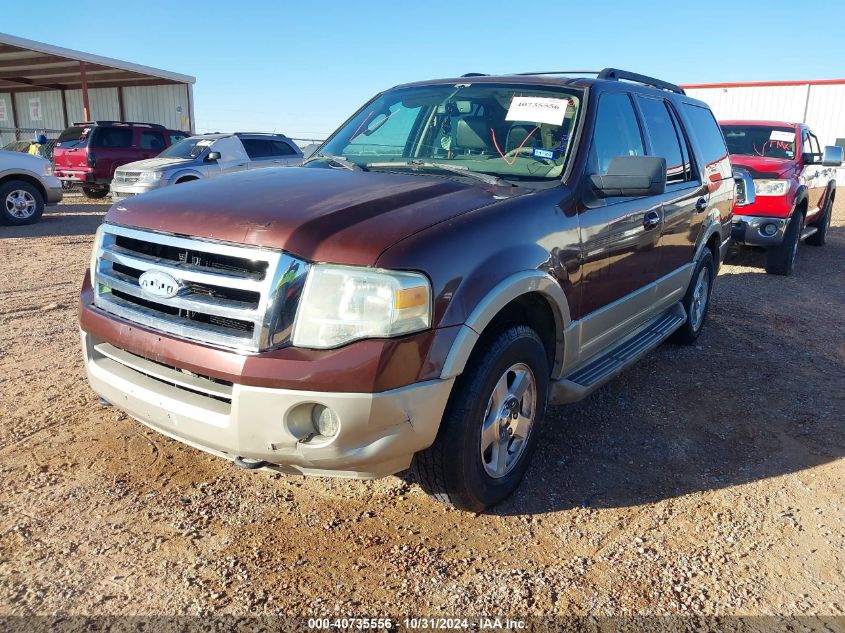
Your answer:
<point x="562" y="72"/>
<point x="258" y="133"/>
<point x="616" y="74"/>
<point x="151" y="125"/>
<point x="475" y="75"/>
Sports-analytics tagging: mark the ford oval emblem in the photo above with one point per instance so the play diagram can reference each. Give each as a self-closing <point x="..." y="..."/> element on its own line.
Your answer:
<point x="159" y="284"/>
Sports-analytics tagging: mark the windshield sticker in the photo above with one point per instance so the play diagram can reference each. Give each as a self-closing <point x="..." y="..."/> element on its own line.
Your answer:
<point x="204" y="142"/>
<point x="542" y="152"/>
<point x="538" y="110"/>
<point x="778" y="135"/>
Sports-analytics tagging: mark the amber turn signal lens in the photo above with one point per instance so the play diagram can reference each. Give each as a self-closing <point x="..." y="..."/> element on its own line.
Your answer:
<point x="411" y="297"/>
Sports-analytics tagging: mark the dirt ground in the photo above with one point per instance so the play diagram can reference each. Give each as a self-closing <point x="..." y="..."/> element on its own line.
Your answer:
<point x="707" y="480"/>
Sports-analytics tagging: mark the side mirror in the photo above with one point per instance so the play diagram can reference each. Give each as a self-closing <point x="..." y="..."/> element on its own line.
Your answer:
<point x="212" y="156"/>
<point x="631" y="176"/>
<point x="744" y="185"/>
<point x="832" y="156"/>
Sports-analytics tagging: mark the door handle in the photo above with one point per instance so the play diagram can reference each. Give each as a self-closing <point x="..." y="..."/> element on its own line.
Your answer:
<point x="700" y="205"/>
<point x="651" y="220"/>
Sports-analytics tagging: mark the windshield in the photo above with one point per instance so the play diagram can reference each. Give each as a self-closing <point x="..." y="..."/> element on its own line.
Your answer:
<point x="187" y="148"/>
<point x="760" y="140"/>
<point x="512" y="131"/>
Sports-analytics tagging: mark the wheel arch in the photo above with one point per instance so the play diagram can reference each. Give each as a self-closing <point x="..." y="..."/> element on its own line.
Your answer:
<point x="516" y="294"/>
<point x="24" y="177"/>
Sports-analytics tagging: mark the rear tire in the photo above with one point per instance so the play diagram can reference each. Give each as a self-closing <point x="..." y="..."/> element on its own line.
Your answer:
<point x="482" y="451"/>
<point x="95" y="192"/>
<point x="820" y="237"/>
<point x="20" y="203"/>
<point x="696" y="301"/>
<point x="780" y="259"/>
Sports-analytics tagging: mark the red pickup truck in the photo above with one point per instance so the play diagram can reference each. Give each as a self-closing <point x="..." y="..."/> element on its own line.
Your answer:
<point x="795" y="183"/>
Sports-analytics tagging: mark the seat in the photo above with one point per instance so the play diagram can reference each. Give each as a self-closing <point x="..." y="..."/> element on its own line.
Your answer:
<point x="472" y="134"/>
<point x="518" y="134"/>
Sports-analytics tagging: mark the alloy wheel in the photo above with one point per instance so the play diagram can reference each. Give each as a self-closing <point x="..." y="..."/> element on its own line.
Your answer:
<point x="508" y="420"/>
<point x="20" y="204"/>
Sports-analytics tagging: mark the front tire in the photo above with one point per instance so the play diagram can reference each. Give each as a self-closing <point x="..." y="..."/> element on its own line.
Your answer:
<point x="696" y="301"/>
<point x="491" y="424"/>
<point x="780" y="259"/>
<point x="95" y="192"/>
<point x="20" y="203"/>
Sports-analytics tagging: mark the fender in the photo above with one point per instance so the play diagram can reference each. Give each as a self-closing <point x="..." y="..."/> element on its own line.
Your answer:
<point x="800" y="196"/>
<point x="712" y="224"/>
<point x="503" y="293"/>
<point x="186" y="172"/>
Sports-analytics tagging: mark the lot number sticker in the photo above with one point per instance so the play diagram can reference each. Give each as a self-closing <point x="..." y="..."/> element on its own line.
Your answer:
<point x="777" y="135"/>
<point x="537" y="109"/>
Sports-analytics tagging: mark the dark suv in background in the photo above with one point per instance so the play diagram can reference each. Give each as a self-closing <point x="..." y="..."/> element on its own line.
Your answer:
<point x="87" y="154"/>
<point x="459" y="253"/>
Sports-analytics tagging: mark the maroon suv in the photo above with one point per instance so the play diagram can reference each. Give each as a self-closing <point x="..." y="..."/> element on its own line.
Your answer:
<point x="459" y="253"/>
<point x="88" y="154"/>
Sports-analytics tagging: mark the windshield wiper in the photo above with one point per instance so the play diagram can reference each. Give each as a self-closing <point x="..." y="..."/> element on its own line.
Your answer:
<point x="490" y="179"/>
<point x="340" y="161"/>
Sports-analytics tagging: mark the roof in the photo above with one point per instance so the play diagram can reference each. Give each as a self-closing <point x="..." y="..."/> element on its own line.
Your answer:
<point x="30" y="65"/>
<point x="767" y="84"/>
<point x="760" y="123"/>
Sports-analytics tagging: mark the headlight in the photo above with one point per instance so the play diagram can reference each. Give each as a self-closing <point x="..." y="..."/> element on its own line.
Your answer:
<point x="341" y="304"/>
<point x="98" y="237"/>
<point x="150" y="176"/>
<point x="48" y="169"/>
<point x="771" y="187"/>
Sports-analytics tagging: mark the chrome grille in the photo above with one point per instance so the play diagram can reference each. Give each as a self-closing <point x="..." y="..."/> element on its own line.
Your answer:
<point x="229" y="295"/>
<point x="126" y="177"/>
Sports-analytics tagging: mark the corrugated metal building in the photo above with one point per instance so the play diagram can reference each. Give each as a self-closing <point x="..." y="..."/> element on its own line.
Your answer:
<point x="818" y="103"/>
<point x="45" y="87"/>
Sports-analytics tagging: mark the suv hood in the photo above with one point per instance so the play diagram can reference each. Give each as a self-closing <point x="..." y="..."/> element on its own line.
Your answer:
<point x="154" y="164"/>
<point x="329" y="215"/>
<point x="760" y="167"/>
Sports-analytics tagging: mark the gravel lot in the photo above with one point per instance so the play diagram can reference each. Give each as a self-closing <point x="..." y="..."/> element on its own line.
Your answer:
<point x="707" y="480"/>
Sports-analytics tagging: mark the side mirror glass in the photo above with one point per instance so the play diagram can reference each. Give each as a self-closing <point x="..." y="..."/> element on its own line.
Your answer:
<point x="212" y="156"/>
<point x="832" y="156"/>
<point x="631" y="176"/>
<point x="744" y="186"/>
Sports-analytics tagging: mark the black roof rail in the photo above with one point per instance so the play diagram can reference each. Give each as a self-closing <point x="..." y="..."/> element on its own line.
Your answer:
<point x="151" y="125"/>
<point x="562" y="72"/>
<point x="475" y="75"/>
<point x="616" y="75"/>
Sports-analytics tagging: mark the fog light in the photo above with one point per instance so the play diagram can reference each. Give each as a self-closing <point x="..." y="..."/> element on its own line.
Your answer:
<point x="325" y="421"/>
<point x="768" y="229"/>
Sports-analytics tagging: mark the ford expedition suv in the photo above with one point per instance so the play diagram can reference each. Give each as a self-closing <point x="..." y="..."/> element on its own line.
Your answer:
<point x="204" y="156"/>
<point x="795" y="184"/>
<point x="87" y="154"/>
<point x="455" y="256"/>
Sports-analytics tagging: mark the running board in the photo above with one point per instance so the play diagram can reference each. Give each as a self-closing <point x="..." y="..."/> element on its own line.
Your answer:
<point x="808" y="231"/>
<point x="585" y="380"/>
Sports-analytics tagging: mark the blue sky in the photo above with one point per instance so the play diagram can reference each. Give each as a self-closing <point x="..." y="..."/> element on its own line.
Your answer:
<point x="302" y="67"/>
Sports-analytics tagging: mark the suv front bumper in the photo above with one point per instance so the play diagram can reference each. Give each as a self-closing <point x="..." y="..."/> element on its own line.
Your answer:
<point x="379" y="432"/>
<point x="758" y="231"/>
<point x="121" y="191"/>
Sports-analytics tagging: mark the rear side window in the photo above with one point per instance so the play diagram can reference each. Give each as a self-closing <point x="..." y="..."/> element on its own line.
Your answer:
<point x="111" y="137"/>
<point x="152" y="140"/>
<point x="617" y="133"/>
<point x="666" y="138"/>
<point x="707" y="133"/>
<point x="257" y="149"/>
